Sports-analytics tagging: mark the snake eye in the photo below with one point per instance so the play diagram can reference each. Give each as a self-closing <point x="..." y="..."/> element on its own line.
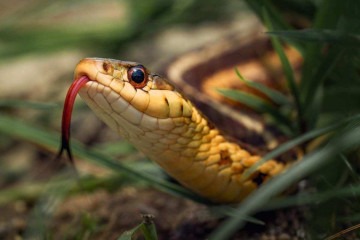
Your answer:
<point x="137" y="76"/>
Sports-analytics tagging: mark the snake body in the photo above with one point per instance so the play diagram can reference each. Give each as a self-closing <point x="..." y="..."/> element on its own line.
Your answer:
<point x="163" y="124"/>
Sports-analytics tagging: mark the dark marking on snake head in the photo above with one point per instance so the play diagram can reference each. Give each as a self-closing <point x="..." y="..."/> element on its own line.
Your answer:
<point x="211" y="125"/>
<point x="182" y="108"/>
<point x="108" y="67"/>
<point x="259" y="178"/>
<point x="225" y="158"/>
<point x="167" y="101"/>
<point x="161" y="83"/>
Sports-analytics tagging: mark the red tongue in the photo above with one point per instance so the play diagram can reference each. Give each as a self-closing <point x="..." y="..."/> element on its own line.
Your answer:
<point x="66" y="117"/>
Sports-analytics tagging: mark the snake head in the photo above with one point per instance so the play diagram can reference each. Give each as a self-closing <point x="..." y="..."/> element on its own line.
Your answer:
<point x="126" y="96"/>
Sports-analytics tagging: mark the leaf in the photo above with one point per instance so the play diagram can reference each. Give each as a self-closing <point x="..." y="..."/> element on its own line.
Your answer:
<point x="128" y="235"/>
<point x="148" y="227"/>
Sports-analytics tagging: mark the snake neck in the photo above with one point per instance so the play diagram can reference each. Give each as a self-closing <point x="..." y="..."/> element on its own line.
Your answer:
<point x="193" y="151"/>
<point x="200" y="157"/>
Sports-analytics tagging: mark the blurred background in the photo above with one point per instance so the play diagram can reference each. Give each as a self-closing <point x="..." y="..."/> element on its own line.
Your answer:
<point x="40" y="44"/>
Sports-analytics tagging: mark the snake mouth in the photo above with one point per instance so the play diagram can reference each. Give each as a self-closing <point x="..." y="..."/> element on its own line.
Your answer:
<point x="105" y="83"/>
<point x="67" y="113"/>
<point x="86" y="71"/>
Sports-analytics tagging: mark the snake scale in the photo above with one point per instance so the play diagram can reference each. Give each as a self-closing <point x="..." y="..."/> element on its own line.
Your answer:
<point x="161" y="122"/>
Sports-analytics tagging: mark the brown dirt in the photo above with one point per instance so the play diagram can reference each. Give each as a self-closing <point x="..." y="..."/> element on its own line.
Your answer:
<point x="104" y="215"/>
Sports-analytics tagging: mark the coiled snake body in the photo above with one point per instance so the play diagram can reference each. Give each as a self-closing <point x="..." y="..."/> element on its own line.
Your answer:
<point x="162" y="123"/>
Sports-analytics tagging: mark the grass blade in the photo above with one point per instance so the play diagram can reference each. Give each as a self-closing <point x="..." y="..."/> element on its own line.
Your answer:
<point x="18" y="129"/>
<point x="318" y="198"/>
<point x="6" y="103"/>
<point x="32" y="191"/>
<point x="327" y="17"/>
<point x="320" y="36"/>
<point x="355" y="177"/>
<point x="299" y="140"/>
<point x="304" y="8"/>
<point x="275" y="96"/>
<point x="310" y="163"/>
<point x="335" y="98"/>
<point x="52" y="195"/>
<point x="313" y="100"/>
<point x="278" y="21"/>
<point x="303" y="199"/>
<point x="287" y="71"/>
<point x="259" y="105"/>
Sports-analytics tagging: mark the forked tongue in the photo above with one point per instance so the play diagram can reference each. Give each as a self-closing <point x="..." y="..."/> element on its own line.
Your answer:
<point x="66" y="116"/>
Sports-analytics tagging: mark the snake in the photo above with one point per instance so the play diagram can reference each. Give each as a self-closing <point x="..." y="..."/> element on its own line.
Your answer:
<point x="164" y="124"/>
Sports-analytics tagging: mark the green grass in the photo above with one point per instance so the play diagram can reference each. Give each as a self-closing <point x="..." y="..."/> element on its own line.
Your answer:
<point x="146" y="228"/>
<point x="325" y="102"/>
<point x="331" y="40"/>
